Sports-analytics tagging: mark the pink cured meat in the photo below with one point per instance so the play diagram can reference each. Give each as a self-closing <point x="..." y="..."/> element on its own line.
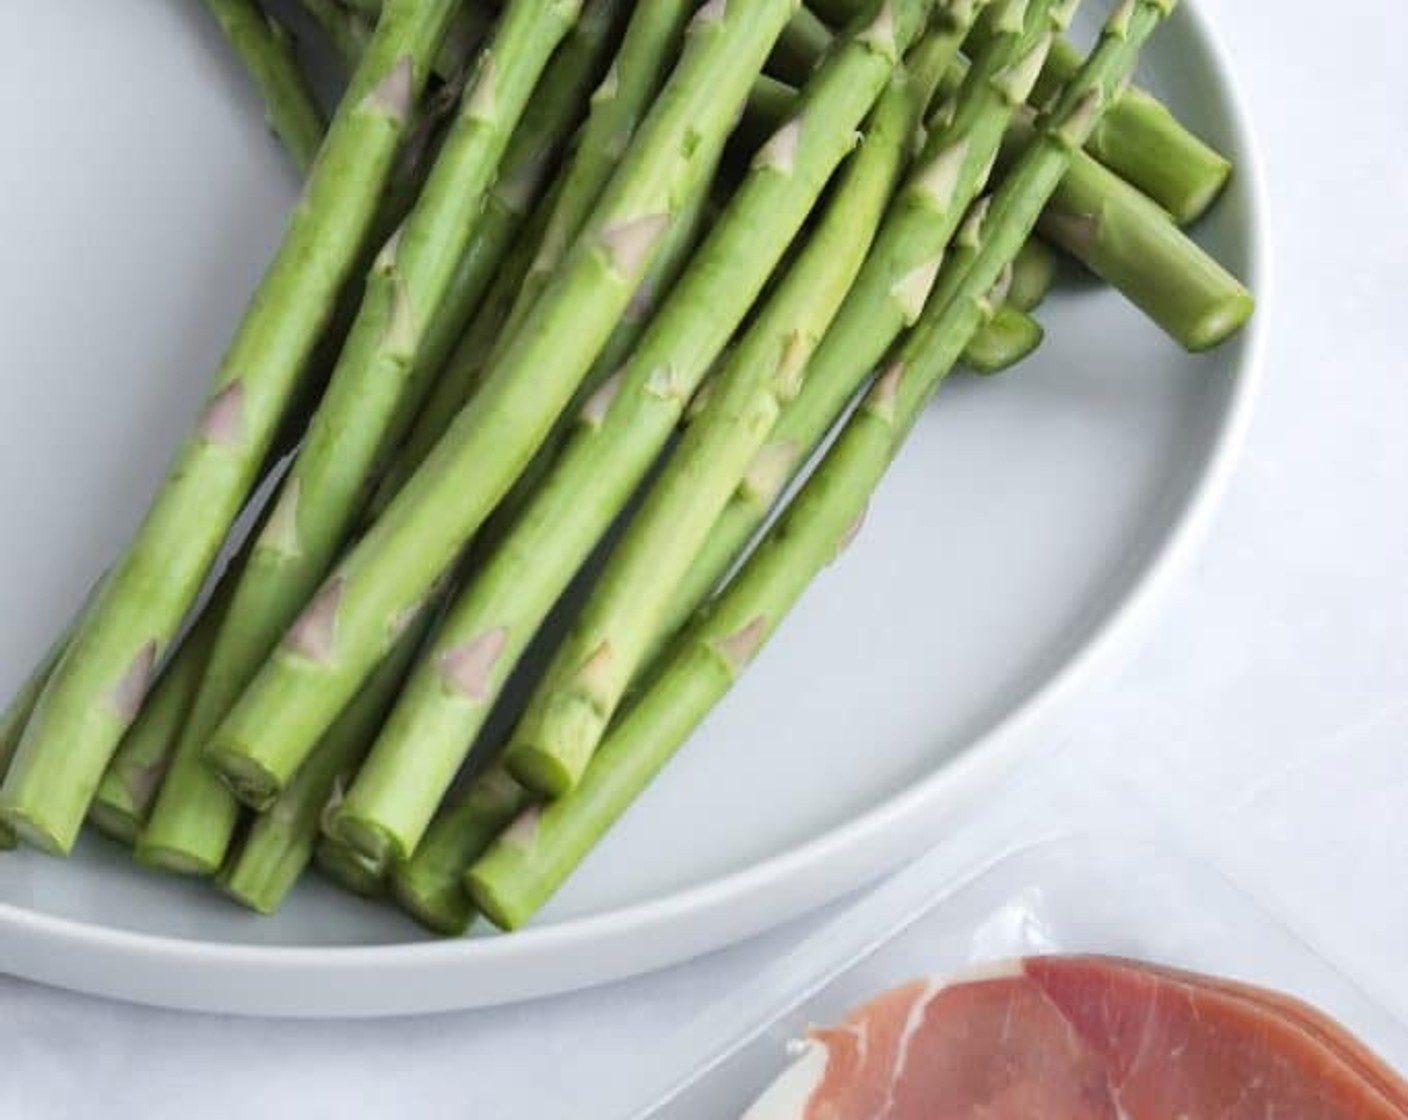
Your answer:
<point x="1083" y="1038"/>
<point x="1315" y="1023"/>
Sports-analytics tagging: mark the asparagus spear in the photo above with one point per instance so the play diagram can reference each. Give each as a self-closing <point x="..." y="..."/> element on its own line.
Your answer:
<point x="535" y="855"/>
<point x="1013" y="335"/>
<point x="618" y="107"/>
<point x="348" y="31"/>
<point x="349" y="869"/>
<point x="651" y="38"/>
<point x="463" y="371"/>
<point x="129" y="786"/>
<point x="1139" y="138"/>
<point x="1004" y="341"/>
<point x="263" y="47"/>
<point x="376" y="378"/>
<point x="347" y="628"/>
<point x="16" y="714"/>
<point x="804" y="40"/>
<point x="1118" y="233"/>
<point x="1142" y="142"/>
<point x="1033" y="274"/>
<point x="608" y="645"/>
<point x="430" y="886"/>
<point x="98" y="686"/>
<point x="280" y="842"/>
<point x="548" y="121"/>
<point x="468" y="29"/>
<point x="621" y="432"/>
<point x="1128" y="241"/>
<point x="837" y="13"/>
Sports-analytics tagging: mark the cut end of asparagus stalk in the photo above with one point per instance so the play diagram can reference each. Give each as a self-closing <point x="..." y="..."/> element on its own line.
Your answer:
<point x="493" y="896"/>
<point x="251" y="896"/>
<point x="351" y="870"/>
<point x="544" y="770"/>
<point x="367" y="838"/>
<point x="1033" y="275"/>
<point x="8" y="840"/>
<point x="116" y="823"/>
<point x="439" y="904"/>
<point x="1200" y="199"/>
<point x="261" y="881"/>
<point x="174" y="860"/>
<point x="50" y="838"/>
<point x="1010" y="338"/>
<point x="250" y="781"/>
<point x="1220" y="322"/>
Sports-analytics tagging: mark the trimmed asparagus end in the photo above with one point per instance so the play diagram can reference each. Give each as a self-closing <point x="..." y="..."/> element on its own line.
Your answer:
<point x="27" y="826"/>
<point x="258" y="897"/>
<point x="496" y="903"/>
<point x="1033" y="275"/>
<point x="441" y="905"/>
<point x="369" y="839"/>
<point x="116" y="823"/>
<point x="1220" y="323"/>
<point x="1197" y="202"/>
<point x="8" y="840"/>
<point x="253" y="783"/>
<point x="174" y="860"/>
<point x="540" y="770"/>
<point x="350" y="869"/>
<point x="1008" y="339"/>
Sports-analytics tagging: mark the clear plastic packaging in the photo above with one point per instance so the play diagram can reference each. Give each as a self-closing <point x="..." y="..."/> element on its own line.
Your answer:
<point x="1135" y="890"/>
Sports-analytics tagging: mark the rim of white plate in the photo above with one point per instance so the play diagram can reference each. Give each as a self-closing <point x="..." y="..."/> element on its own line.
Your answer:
<point x="806" y="872"/>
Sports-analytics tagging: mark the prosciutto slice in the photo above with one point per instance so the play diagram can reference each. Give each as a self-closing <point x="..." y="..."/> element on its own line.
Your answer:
<point x="1084" y="1038"/>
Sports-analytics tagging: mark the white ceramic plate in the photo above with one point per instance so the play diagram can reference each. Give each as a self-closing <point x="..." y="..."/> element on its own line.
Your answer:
<point x="1027" y="528"/>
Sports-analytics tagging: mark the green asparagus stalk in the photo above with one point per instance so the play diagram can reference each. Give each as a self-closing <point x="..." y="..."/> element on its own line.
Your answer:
<point x="280" y="842"/>
<point x="1159" y="268"/>
<point x="1128" y="241"/>
<point x="618" y="107"/>
<point x="15" y="716"/>
<point x="1011" y="336"/>
<point x="622" y="621"/>
<point x="430" y="886"/>
<point x="143" y="763"/>
<point x="837" y="13"/>
<point x="98" y="687"/>
<point x="1142" y="142"/>
<point x="466" y="34"/>
<point x="376" y="378"/>
<point x="548" y="121"/>
<point x="349" y="869"/>
<point x="1139" y="138"/>
<point x="348" y="31"/>
<point x="535" y="855"/>
<point x="463" y="372"/>
<point x="129" y="787"/>
<point x="263" y="47"/>
<point x="1116" y="231"/>
<point x="803" y="42"/>
<point x="621" y="432"/>
<point x="348" y="626"/>
<point x="1033" y="274"/>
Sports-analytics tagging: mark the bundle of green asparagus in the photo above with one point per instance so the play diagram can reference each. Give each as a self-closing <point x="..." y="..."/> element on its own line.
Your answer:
<point x="574" y="292"/>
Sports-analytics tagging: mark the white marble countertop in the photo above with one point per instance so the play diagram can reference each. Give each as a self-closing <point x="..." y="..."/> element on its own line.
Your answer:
<point x="1268" y="712"/>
